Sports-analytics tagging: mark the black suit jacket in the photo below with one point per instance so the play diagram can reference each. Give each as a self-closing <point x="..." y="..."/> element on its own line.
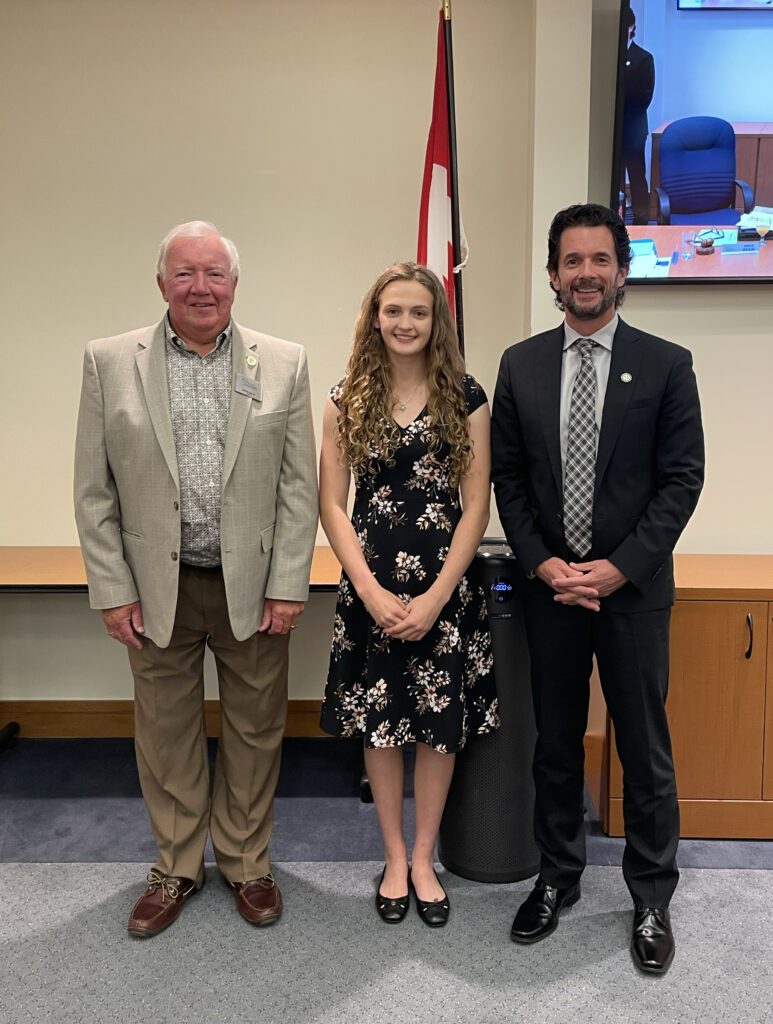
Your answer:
<point x="638" y="89"/>
<point x="649" y="466"/>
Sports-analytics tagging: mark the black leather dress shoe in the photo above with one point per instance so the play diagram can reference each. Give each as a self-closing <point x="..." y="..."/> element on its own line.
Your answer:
<point x="391" y="911"/>
<point x="652" y="941"/>
<point x="537" y="916"/>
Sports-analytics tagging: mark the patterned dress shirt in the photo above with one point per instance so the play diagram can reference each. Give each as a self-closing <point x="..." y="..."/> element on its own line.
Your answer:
<point x="199" y="399"/>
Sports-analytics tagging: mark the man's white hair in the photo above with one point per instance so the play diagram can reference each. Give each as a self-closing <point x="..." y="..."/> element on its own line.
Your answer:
<point x="197" y="229"/>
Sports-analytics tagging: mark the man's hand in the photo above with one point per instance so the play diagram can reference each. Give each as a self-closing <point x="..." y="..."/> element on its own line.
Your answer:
<point x="557" y="574"/>
<point x="279" y="617"/>
<point x="422" y="615"/>
<point x="554" y="568"/>
<point x="599" y="579"/>
<point x="124" y="624"/>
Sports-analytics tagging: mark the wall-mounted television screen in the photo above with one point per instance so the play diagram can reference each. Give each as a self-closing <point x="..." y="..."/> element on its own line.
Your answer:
<point x="719" y="5"/>
<point x="693" y="155"/>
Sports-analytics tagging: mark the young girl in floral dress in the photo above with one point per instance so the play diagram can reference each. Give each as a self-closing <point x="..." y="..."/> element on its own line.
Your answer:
<point x="411" y="654"/>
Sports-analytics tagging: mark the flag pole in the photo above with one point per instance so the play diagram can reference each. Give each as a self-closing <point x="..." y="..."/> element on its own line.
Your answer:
<point x="455" y="228"/>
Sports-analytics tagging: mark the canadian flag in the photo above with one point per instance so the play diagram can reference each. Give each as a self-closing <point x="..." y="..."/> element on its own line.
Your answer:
<point x="436" y="249"/>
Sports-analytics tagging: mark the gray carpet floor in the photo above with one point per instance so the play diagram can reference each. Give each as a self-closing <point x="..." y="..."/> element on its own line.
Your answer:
<point x="75" y="843"/>
<point x="66" y="956"/>
<point x="99" y="829"/>
<point x="71" y="801"/>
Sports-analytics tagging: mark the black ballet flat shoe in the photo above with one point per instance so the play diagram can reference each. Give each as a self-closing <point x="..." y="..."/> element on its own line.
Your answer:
<point x="391" y="911"/>
<point x="434" y="913"/>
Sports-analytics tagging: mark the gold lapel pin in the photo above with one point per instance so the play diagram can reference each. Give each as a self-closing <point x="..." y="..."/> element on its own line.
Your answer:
<point x="626" y="378"/>
<point x="251" y="361"/>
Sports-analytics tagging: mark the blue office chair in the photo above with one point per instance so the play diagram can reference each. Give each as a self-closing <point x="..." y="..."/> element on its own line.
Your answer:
<point x="697" y="173"/>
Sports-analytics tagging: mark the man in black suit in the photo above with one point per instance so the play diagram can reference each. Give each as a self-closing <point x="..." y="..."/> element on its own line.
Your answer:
<point x="597" y="467"/>
<point x="638" y="88"/>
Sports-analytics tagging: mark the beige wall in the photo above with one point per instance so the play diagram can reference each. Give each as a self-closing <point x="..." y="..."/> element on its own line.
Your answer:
<point x="53" y="647"/>
<point x="300" y="129"/>
<point x="730" y="333"/>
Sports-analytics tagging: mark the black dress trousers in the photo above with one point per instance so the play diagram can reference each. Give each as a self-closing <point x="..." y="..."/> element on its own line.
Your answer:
<point x="632" y="654"/>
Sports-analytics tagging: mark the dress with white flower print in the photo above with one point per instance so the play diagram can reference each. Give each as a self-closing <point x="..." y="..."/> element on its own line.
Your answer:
<point x="439" y="690"/>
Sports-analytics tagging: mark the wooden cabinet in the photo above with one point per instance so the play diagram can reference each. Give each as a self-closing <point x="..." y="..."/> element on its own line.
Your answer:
<point x="720" y="701"/>
<point x="767" y="773"/>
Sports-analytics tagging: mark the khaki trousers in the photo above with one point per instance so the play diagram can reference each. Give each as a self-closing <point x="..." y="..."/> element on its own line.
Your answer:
<point x="171" y="741"/>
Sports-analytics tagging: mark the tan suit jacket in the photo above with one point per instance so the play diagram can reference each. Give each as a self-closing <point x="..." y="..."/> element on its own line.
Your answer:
<point x="127" y="492"/>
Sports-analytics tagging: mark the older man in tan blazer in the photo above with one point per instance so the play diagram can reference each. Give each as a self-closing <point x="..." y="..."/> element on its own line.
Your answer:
<point x="196" y="504"/>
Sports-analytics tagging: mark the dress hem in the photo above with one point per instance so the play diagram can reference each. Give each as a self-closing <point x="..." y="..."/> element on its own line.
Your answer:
<point x="392" y="746"/>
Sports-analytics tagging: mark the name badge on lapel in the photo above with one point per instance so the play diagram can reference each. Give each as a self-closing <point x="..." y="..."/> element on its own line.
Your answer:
<point x="249" y="388"/>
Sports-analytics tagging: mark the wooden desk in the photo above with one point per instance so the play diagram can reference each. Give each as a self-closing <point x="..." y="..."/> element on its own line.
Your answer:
<point x="724" y="577"/>
<point x="720" y="702"/>
<point x="753" y="158"/>
<point x="738" y="265"/>
<point x="59" y="570"/>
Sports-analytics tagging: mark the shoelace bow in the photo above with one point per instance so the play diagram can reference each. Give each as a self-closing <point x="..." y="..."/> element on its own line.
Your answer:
<point x="170" y="887"/>
<point x="265" y="881"/>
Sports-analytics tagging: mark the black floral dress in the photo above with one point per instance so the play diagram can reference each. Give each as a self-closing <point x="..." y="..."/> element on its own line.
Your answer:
<point x="439" y="690"/>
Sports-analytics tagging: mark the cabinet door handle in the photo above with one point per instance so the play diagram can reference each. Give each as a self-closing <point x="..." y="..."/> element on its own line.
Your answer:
<point x="750" y="624"/>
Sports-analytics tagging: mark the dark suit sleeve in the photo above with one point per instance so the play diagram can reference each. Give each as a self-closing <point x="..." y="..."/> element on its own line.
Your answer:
<point x="509" y="473"/>
<point x="647" y="79"/>
<point x="639" y="82"/>
<point x="679" y="462"/>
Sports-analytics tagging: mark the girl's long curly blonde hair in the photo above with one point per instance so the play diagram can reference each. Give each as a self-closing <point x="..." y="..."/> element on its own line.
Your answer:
<point x="365" y="423"/>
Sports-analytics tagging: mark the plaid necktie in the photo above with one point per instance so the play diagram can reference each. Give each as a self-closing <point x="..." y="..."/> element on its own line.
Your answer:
<point x="579" y="478"/>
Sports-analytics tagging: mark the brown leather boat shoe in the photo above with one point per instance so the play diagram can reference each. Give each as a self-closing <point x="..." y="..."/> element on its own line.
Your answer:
<point x="259" y="901"/>
<point x="161" y="904"/>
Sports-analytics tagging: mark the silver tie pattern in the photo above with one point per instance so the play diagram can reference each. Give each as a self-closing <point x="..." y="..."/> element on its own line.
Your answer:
<point x="580" y="472"/>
